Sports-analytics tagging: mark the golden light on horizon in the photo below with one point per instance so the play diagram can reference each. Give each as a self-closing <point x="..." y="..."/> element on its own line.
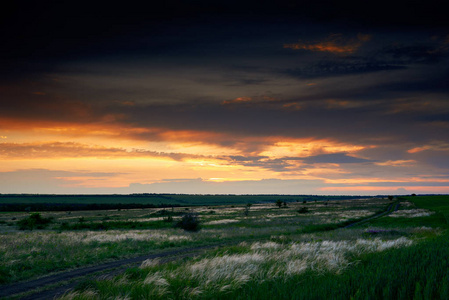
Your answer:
<point x="391" y="189"/>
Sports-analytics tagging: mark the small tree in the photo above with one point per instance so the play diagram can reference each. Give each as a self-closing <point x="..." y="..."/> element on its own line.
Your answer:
<point x="390" y="198"/>
<point x="246" y="211"/>
<point x="279" y="203"/>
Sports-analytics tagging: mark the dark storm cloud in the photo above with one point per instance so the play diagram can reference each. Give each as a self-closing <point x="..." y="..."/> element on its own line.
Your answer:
<point x="38" y="39"/>
<point x="338" y="68"/>
<point x="416" y="54"/>
<point x="394" y="120"/>
<point x="38" y="36"/>
<point x="346" y="56"/>
<point x="357" y="124"/>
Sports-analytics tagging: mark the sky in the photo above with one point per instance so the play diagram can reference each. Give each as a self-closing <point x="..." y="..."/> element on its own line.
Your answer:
<point x="224" y="97"/>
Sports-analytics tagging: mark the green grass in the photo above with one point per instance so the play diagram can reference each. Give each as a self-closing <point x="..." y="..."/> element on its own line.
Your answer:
<point x="434" y="221"/>
<point x="439" y="204"/>
<point x="420" y="271"/>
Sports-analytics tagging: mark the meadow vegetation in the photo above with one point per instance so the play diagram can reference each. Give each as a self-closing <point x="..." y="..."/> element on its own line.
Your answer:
<point x="298" y="250"/>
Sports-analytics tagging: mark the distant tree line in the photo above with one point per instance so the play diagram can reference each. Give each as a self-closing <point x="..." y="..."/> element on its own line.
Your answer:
<point x="77" y="206"/>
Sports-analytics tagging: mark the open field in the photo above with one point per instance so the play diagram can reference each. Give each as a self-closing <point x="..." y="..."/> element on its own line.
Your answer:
<point x="270" y="250"/>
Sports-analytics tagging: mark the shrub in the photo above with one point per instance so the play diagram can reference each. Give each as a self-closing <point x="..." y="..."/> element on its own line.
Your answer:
<point x="279" y="203"/>
<point x="189" y="222"/>
<point x="303" y="210"/>
<point x="246" y="211"/>
<point x="34" y="221"/>
<point x="247" y="207"/>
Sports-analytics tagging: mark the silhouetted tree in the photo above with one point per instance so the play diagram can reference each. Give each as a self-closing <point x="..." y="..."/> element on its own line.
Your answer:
<point x="279" y="203"/>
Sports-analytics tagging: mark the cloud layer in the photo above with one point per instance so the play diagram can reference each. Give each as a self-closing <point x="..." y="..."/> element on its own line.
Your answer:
<point x="322" y="98"/>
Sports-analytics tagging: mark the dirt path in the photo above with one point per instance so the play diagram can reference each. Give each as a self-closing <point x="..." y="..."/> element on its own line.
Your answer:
<point x="391" y="208"/>
<point x="114" y="268"/>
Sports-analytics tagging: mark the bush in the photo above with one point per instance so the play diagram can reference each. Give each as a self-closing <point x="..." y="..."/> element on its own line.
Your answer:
<point x="34" y="221"/>
<point x="303" y="210"/>
<point x="189" y="222"/>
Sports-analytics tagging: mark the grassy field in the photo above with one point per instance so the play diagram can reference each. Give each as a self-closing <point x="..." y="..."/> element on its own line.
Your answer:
<point x="74" y="239"/>
<point x="277" y="252"/>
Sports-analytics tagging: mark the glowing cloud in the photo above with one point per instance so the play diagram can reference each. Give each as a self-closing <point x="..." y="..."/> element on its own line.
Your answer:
<point x="334" y="43"/>
<point x="237" y="100"/>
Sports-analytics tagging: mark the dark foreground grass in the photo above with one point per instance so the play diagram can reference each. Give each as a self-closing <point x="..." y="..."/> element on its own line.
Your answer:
<point x="419" y="272"/>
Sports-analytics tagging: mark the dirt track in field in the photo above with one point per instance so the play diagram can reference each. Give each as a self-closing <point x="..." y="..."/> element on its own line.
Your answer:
<point x="107" y="269"/>
<point x="391" y="208"/>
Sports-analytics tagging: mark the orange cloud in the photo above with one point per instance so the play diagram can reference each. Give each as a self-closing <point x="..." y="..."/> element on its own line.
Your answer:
<point x="397" y="163"/>
<point x="334" y="43"/>
<point x="417" y="149"/>
<point x="332" y="103"/>
<point x="292" y="106"/>
<point x="237" y="100"/>
<point x="256" y="99"/>
<point x="58" y="150"/>
<point x="437" y="146"/>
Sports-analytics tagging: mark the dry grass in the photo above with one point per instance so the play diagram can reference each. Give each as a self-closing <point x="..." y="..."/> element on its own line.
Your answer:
<point x="263" y="261"/>
<point x="411" y="213"/>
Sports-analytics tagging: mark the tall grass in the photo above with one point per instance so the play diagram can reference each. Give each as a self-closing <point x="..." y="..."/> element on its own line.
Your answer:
<point x="245" y="267"/>
<point x="267" y="271"/>
<point x="418" y="272"/>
